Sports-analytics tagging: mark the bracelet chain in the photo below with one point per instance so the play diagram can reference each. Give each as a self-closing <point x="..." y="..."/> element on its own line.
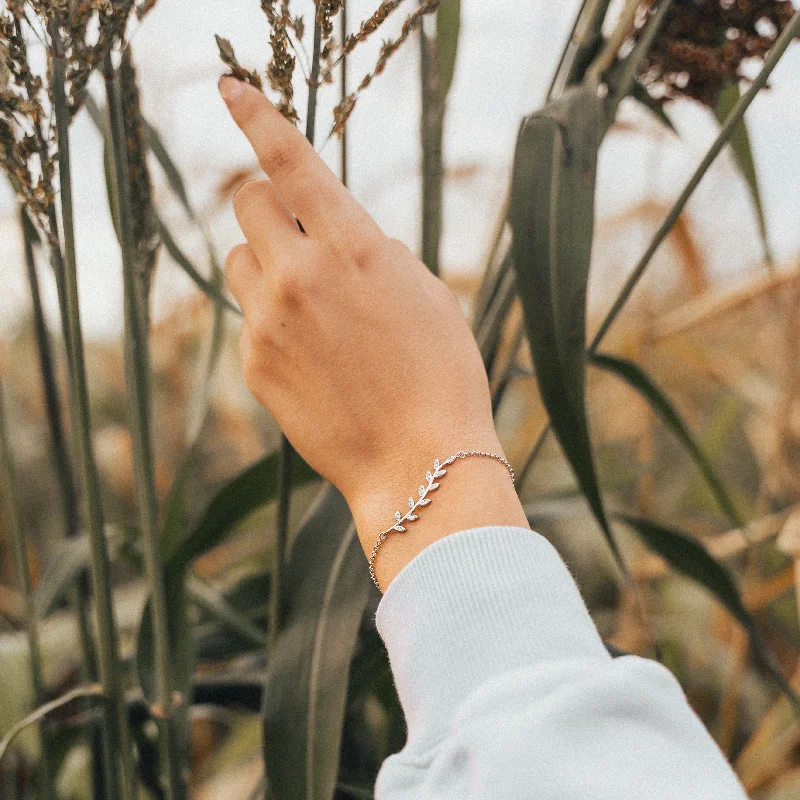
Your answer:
<point x="432" y="477"/>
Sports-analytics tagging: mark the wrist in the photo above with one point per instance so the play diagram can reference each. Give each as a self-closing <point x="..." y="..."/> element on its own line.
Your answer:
<point x="475" y="491"/>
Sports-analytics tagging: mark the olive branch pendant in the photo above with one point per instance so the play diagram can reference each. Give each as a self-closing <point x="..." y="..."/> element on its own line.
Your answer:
<point x="432" y="477"/>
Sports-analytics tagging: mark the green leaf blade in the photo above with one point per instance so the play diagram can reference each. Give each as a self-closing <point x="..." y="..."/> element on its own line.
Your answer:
<point x="640" y="381"/>
<point x="326" y="591"/>
<point x="743" y="156"/>
<point x="690" y="558"/>
<point x="552" y="219"/>
<point x="656" y="108"/>
<point x="209" y="288"/>
<point x="250" y="489"/>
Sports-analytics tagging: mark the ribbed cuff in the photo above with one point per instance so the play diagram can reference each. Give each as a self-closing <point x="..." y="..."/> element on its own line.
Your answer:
<point x="472" y="606"/>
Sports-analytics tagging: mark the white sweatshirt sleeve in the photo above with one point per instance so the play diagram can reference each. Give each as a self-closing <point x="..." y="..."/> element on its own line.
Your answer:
<point x="509" y="693"/>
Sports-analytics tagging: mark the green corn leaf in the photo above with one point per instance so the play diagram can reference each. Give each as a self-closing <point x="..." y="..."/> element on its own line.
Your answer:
<point x="174" y="177"/>
<point x="326" y="591"/>
<point x="639" y="380"/>
<point x="249" y="490"/>
<point x="249" y="599"/>
<point x="206" y="597"/>
<point x="743" y="155"/>
<point x="70" y="558"/>
<point x="552" y="221"/>
<point x="100" y="120"/>
<point x="211" y="289"/>
<point x="448" y="28"/>
<point x="690" y="558"/>
<point x="581" y="46"/>
<point x="239" y="692"/>
<point x="644" y="98"/>
<point x="93" y="693"/>
<point x="175" y="505"/>
<point x="232" y="632"/>
<point x="157" y="148"/>
<point x="235" y="501"/>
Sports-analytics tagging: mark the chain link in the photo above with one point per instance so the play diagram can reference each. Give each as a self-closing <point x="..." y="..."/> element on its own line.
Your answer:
<point x="423" y="500"/>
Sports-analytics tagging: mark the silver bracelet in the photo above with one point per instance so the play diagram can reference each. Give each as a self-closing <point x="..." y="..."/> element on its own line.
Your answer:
<point x="438" y="472"/>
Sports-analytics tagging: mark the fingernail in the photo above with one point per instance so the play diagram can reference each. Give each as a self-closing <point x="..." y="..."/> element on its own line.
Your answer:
<point x="230" y="88"/>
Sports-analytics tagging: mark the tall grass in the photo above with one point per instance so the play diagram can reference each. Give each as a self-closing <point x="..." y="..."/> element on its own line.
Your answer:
<point x="323" y="681"/>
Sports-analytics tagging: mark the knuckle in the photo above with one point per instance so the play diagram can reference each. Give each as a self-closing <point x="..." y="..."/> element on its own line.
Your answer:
<point x="246" y="194"/>
<point x="398" y="247"/>
<point x="258" y="322"/>
<point x="364" y="249"/>
<point x="280" y="158"/>
<point x="445" y="294"/>
<point x="398" y="250"/>
<point x="292" y="286"/>
<point x="234" y="261"/>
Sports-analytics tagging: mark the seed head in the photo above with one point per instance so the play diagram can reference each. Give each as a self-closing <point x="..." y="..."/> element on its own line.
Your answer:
<point x="703" y="43"/>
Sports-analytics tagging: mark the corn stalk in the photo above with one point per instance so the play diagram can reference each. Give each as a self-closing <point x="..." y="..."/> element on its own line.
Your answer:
<point x="137" y="361"/>
<point x="119" y="774"/>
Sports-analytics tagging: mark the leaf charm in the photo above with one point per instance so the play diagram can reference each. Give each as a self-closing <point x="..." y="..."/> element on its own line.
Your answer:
<point x="422" y="500"/>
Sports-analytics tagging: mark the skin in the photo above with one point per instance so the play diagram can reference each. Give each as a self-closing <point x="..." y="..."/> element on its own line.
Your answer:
<point x="362" y="356"/>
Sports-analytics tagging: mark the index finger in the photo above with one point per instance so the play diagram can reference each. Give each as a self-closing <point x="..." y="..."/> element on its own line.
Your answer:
<point x="309" y="188"/>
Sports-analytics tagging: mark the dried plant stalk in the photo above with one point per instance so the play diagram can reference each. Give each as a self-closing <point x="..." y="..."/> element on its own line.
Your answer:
<point x="138" y="372"/>
<point x="326" y="11"/>
<point x="236" y="69"/>
<point x="117" y="745"/>
<point x="144" y="223"/>
<point x="280" y="70"/>
<point x="342" y="112"/>
<point x="34" y="120"/>
<point x="370" y="25"/>
<point x="351" y="41"/>
<point x="25" y="138"/>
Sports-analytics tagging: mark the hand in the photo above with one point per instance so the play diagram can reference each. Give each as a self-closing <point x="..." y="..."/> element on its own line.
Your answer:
<point x="362" y="356"/>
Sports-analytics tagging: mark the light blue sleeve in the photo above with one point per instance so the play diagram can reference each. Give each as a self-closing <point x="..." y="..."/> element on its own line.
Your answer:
<point x="509" y="693"/>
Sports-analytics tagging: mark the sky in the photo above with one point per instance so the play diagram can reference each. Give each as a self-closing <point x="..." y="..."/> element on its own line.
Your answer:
<point x="507" y="54"/>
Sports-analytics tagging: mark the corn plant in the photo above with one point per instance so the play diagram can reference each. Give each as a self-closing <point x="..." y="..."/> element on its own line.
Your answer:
<point x="316" y="670"/>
